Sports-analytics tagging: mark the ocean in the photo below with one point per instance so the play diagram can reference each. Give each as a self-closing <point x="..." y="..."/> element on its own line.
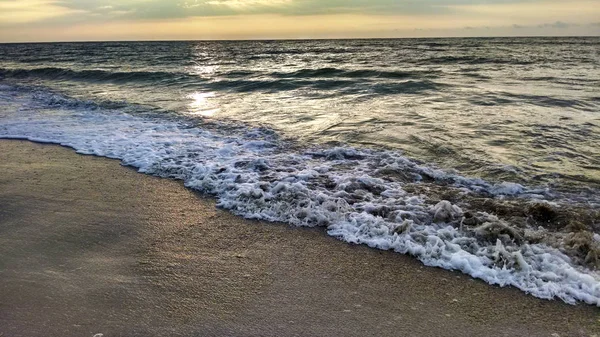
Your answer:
<point x="479" y="155"/>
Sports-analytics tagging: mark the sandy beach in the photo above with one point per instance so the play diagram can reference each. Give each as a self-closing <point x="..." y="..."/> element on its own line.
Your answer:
<point x="89" y="247"/>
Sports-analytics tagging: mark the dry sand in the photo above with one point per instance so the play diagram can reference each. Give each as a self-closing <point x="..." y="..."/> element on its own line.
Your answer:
<point x="90" y="247"/>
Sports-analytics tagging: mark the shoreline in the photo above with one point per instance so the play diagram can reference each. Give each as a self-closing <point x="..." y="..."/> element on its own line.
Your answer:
<point x="89" y="246"/>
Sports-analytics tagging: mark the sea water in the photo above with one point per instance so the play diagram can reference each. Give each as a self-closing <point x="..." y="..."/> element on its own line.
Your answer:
<point x="477" y="155"/>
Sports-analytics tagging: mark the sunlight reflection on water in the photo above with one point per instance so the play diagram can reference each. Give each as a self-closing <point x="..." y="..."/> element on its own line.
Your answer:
<point x="202" y="105"/>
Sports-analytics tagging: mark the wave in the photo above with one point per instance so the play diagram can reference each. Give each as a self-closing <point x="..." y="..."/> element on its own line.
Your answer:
<point x="549" y="101"/>
<point x="378" y="198"/>
<point x="106" y="75"/>
<point x="340" y="86"/>
<point x="358" y="73"/>
<point x="90" y="75"/>
<point x="474" y="60"/>
<point x="348" y="81"/>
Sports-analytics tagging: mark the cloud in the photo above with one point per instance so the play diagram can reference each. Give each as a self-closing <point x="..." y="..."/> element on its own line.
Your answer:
<point x="266" y="18"/>
<point x="165" y="9"/>
<point x="177" y="9"/>
<point x="557" y="24"/>
<point x="26" y="11"/>
<point x="240" y="4"/>
<point x="552" y="25"/>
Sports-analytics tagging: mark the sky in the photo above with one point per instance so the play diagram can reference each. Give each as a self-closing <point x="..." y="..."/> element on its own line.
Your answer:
<point x="102" y="20"/>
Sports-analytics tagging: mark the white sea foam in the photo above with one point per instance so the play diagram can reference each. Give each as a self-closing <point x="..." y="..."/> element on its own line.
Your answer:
<point x="255" y="176"/>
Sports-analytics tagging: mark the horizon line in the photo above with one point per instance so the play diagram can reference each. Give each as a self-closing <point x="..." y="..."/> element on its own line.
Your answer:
<point x="307" y="39"/>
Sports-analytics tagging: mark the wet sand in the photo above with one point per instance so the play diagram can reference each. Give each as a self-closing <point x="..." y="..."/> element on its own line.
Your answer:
<point x="90" y="247"/>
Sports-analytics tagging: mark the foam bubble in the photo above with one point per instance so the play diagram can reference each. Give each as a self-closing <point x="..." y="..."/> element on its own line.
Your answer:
<point x="256" y="176"/>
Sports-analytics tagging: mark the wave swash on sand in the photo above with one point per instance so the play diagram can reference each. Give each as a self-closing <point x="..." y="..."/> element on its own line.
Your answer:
<point x="505" y="234"/>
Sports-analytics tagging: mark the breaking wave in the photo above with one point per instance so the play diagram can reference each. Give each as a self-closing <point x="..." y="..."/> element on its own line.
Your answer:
<point x="89" y="75"/>
<point x="325" y="79"/>
<point x="379" y="198"/>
